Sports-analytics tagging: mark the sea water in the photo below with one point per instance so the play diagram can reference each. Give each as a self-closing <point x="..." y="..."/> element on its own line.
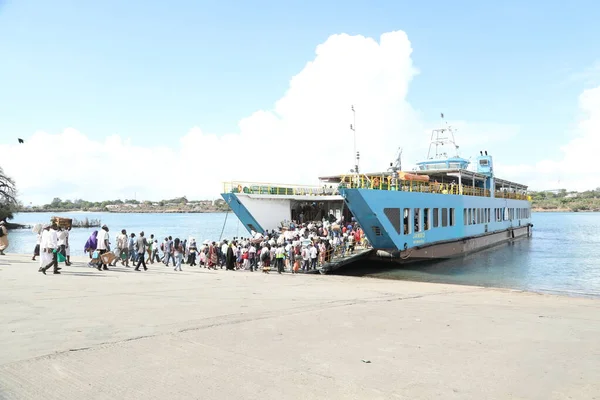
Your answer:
<point x="563" y="256"/>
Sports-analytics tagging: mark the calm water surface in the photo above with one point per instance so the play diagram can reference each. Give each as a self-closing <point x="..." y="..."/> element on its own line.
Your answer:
<point x="200" y="226"/>
<point x="563" y="256"/>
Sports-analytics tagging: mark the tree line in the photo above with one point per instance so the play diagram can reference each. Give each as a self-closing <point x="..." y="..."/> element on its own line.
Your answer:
<point x="58" y="204"/>
<point x="562" y="199"/>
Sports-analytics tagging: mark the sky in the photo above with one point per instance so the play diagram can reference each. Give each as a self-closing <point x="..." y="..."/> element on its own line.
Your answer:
<point x="155" y="100"/>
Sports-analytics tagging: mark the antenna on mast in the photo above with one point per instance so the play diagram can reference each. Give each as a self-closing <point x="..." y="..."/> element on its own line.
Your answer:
<point x="439" y="138"/>
<point x="353" y="128"/>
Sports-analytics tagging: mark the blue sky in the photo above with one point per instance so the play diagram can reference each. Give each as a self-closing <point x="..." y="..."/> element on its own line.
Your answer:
<point x="147" y="70"/>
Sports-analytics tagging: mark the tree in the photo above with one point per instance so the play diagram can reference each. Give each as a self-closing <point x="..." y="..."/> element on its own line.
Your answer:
<point x="8" y="196"/>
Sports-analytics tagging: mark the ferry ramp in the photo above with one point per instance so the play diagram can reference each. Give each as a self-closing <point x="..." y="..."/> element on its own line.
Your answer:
<point x="342" y="256"/>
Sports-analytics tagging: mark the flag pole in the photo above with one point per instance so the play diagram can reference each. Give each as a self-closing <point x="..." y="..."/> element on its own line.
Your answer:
<point x="353" y="127"/>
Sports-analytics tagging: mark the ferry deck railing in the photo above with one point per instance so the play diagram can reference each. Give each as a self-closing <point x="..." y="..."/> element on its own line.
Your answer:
<point x="277" y="189"/>
<point x="381" y="182"/>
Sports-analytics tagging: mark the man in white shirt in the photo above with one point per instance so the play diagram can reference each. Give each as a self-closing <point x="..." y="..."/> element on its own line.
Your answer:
<point x="312" y="249"/>
<point x="224" y="247"/>
<point x="50" y="247"/>
<point x="44" y="257"/>
<point x="103" y="245"/>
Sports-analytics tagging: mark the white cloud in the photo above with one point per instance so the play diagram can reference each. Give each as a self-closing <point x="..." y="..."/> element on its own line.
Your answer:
<point x="578" y="169"/>
<point x="304" y="136"/>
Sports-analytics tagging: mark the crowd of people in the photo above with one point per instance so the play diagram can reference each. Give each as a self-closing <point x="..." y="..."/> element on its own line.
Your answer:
<point x="295" y="247"/>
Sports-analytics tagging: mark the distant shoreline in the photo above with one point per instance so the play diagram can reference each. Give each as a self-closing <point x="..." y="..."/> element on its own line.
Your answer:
<point x="127" y="211"/>
<point x="562" y="210"/>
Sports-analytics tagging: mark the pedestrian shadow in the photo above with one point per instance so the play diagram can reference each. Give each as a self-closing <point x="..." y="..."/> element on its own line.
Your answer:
<point x="86" y="274"/>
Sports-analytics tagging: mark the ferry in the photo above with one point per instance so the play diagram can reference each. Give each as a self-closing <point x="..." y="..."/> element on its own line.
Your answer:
<point x="441" y="209"/>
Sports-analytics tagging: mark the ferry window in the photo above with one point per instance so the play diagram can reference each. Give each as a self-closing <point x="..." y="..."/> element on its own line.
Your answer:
<point x="406" y="220"/>
<point x="417" y="220"/>
<point x="470" y="218"/>
<point x="489" y="218"/>
<point x="436" y="217"/>
<point x="479" y="215"/>
<point x="483" y="163"/>
<point x="451" y="216"/>
<point x="426" y="219"/>
<point x="465" y="216"/>
<point x="444" y="217"/>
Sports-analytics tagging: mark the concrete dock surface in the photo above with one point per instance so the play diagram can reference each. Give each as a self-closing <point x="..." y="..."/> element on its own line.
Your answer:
<point x="201" y="334"/>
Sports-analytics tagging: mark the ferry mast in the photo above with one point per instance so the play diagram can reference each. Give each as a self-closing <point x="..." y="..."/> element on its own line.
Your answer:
<point x="353" y="129"/>
<point x="440" y="138"/>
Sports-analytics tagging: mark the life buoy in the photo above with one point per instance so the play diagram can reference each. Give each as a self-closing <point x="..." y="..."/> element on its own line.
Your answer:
<point x="239" y="188"/>
<point x="376" y="182"/>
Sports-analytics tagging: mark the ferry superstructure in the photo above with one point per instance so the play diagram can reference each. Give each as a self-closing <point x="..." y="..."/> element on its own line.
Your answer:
<point x="441" y="209"/>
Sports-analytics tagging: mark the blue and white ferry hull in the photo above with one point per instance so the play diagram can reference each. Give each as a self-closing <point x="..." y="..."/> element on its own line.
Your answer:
<point x="405" y="225"/>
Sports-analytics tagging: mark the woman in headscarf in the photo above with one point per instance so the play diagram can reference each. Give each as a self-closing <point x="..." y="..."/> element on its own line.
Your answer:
<point x="230" y="258"/>
<point x="91" y="244"/>
<point x="212" y="256"/>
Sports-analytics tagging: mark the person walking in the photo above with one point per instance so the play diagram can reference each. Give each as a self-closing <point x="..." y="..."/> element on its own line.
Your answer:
<point x="169" y="251"/>
<point x="141" y="244"/>
<point x="132" y="252"/>
<point x="3" y="237"/>
<point x="36" y="250"/>
<point x="155" y="252"/>
<point x="50" y="248"/>
<point x="150" y="250"/>
<point x="67" y="247"/>
<point x="122" y="249"/>
<point x="178" y="253"/>
<point x="103" y="246"/>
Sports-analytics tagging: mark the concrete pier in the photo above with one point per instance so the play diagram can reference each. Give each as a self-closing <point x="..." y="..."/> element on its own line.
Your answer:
<point x="202" y="334"/>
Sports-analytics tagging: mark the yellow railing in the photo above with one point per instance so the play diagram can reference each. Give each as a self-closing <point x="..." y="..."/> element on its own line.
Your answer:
<point x="276" y="189"/>
<point x="385" y="183"/>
